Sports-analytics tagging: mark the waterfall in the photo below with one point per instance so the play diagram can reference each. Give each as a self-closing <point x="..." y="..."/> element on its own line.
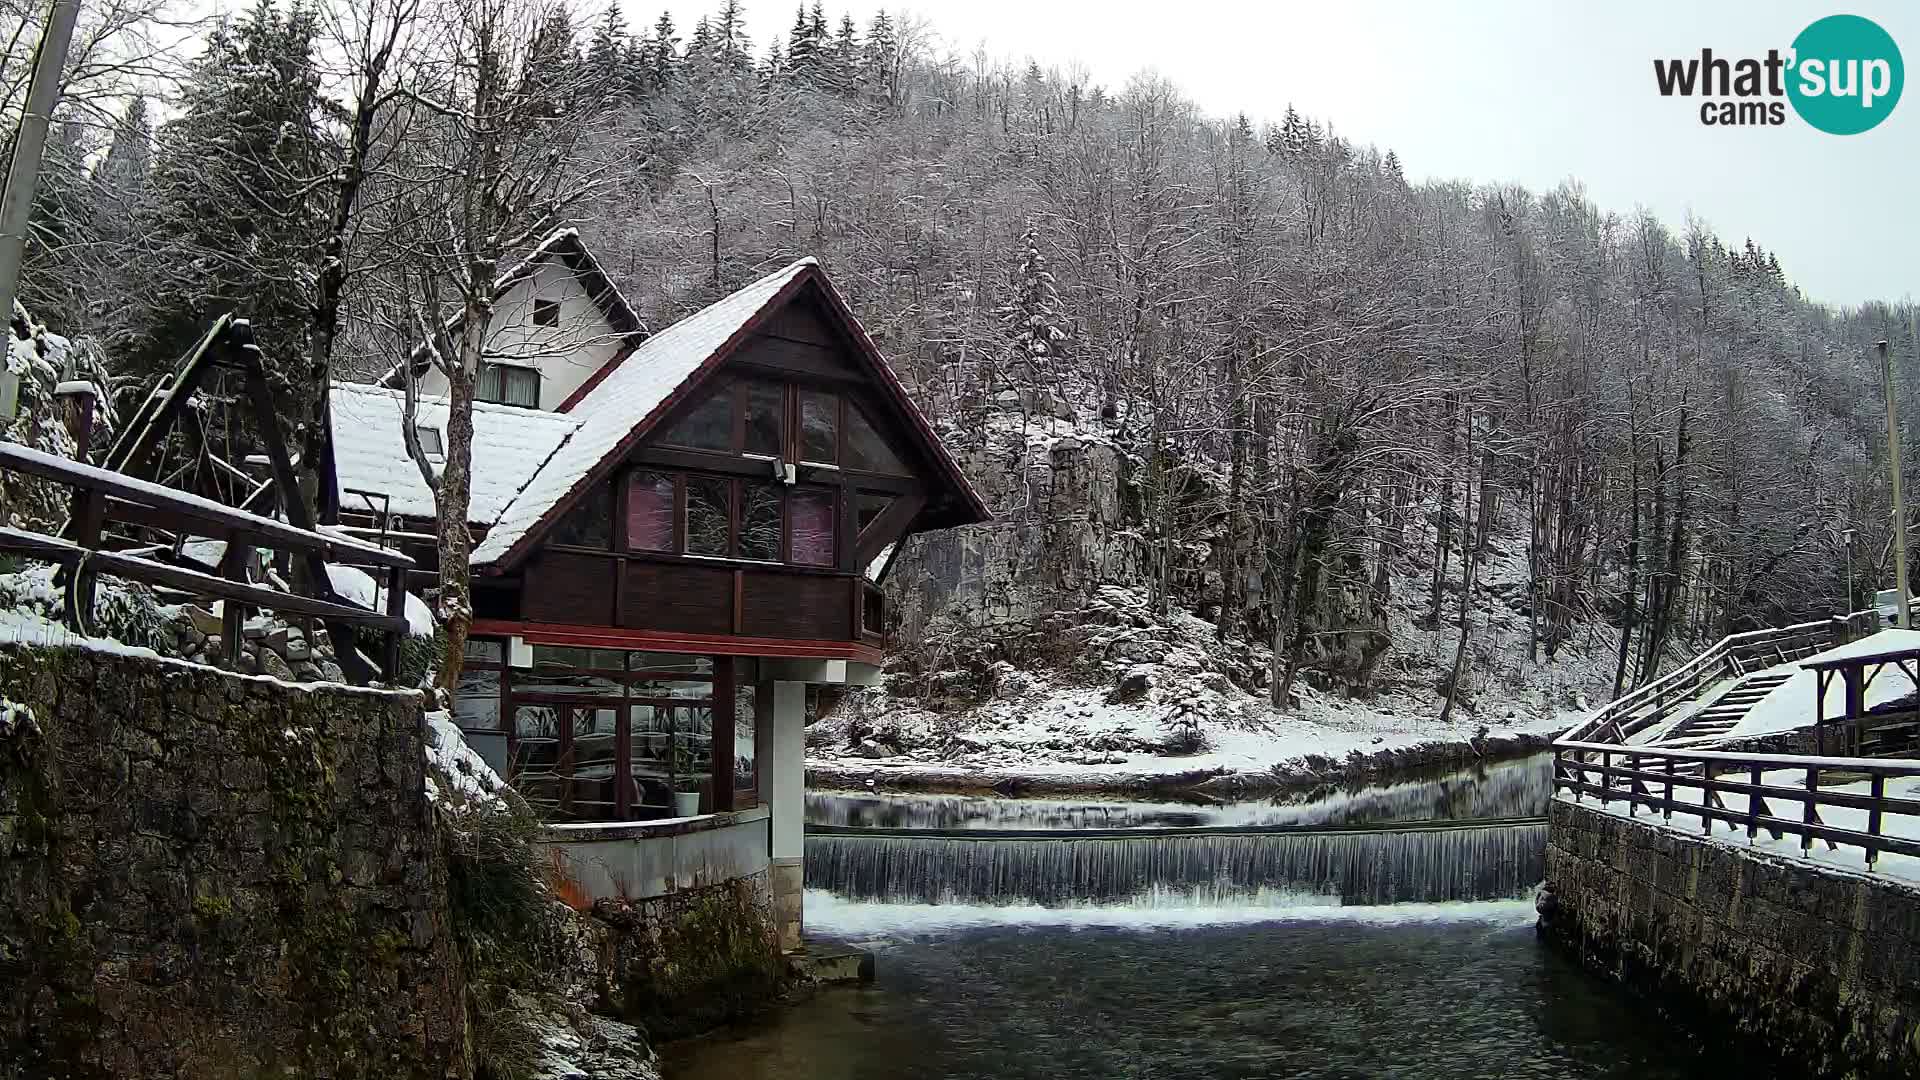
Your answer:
<point x="1389" y="866"/>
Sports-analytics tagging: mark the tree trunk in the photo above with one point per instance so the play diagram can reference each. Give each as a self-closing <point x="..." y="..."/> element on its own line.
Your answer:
<point x="456" y="489"/>
<point x="1476" y="545"/>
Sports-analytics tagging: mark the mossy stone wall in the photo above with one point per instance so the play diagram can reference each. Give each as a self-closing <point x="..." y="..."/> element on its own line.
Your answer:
<point x="210" y="875"/>
<point x="1817" y="967"/>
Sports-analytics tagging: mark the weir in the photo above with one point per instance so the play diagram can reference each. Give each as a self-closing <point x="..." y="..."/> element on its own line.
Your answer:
<point x="1412" y="862"/>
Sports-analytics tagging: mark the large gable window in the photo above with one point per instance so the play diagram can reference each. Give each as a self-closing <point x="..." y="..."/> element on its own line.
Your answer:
<point x="709" y="426"/>
<point x="505" y="384"/>
<point x="793" y="423"/>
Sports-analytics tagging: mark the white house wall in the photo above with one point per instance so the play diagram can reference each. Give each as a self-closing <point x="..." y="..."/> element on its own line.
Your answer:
<point x="566" y="355"/>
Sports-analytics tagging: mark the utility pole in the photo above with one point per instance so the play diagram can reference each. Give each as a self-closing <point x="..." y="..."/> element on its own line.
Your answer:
<point x="1899" y="503"/>
<point x="23" y="169"/>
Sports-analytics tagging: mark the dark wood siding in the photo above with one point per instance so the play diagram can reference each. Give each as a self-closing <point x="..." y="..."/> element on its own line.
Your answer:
<point x="801" y="358"/>
<point x="679" y="598"/>
<point x="801" y="321"/>
<point x="566" y="588"/>
<point x="814" y="606"/>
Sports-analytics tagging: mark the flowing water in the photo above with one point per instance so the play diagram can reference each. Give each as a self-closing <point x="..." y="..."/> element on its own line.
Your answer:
<point x="1338" y="954"/>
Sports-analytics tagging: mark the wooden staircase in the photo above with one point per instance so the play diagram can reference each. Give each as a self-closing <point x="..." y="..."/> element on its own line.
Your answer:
<point x="1723" y="713"/>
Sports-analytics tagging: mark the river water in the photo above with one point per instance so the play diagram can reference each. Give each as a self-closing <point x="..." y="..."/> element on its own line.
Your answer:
<point x="1181" y="983"/>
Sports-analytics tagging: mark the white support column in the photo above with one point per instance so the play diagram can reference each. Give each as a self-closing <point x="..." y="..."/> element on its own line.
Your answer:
<point x="786" y="782"/>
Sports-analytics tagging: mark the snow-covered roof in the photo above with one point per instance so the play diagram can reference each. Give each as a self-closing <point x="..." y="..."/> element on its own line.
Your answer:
<point x="370" y="452"/>
<point x="628" y="394"/>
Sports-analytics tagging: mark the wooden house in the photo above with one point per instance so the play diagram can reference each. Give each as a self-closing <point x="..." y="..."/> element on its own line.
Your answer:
<point x="676" y="533"/>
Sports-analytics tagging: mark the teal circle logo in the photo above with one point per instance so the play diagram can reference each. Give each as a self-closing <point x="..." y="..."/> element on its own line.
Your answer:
<point x="1846" y="76"/>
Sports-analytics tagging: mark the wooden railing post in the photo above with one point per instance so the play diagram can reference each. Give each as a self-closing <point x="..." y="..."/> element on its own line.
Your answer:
<point x="1813" y="792"/>
<point x="396" y="608"/>
<point x="1606" y="778"/>
<point x="1879" y="795"/>
<point x="1667" y="810"/>
<point x="1753" y="805"/>
<point x="1633" y="782"/>
<point x="1706" y="796"/>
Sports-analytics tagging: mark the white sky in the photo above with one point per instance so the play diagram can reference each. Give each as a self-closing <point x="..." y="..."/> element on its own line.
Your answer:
<point x="1502" y="91"/>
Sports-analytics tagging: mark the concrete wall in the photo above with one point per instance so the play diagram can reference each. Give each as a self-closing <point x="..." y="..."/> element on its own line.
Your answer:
<point x="641" y="860"/>
<point x="209" y="875"/>
<point x="1820" y="967"/>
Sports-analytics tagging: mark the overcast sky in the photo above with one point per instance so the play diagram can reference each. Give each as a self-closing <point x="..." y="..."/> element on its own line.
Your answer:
<point x="1503" y="91"/>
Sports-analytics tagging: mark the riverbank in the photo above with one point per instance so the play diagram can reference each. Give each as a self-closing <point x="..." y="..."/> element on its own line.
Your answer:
<point x="1198" y="776"/>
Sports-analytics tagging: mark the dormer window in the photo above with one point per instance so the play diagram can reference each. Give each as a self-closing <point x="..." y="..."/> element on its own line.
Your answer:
<point x="431" y="443"/>
<point x="504" y="384"/>
<point x="546" y="313"/>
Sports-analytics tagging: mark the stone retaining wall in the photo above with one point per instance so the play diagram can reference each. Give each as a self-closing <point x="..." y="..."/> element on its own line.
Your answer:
<point x="209" y="875"/>
<point x="1817" y="966"/>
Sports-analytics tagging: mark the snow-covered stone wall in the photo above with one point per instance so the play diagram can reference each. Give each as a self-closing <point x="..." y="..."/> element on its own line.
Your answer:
<point x="1818" y="966"/>
<point x="210" y="874"/>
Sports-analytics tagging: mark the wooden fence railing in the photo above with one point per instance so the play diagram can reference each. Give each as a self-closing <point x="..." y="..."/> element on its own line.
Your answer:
<point x="1741" y="790"/>
<point x="1736" y="654"/>
<point x="102" y="496"/>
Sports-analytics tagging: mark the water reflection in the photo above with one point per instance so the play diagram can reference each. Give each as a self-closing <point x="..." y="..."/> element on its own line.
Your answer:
<point x="1459" y="997"/>
<point x="1519" y="788"/>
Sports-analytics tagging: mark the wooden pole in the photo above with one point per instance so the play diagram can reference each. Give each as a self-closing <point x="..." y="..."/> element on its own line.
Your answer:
<point x="1899" y="503"/>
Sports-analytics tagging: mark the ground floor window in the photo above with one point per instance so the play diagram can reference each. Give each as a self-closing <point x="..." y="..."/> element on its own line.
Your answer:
<point x="615" y="735"/>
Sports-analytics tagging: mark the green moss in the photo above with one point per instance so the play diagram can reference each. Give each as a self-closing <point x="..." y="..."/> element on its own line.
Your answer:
<point x="702" y="957"/>
<point x="211" y="909"/>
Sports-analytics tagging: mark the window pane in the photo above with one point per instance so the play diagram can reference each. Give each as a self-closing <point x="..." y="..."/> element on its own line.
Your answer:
<point x="692" y="743"/>
<point x="485" y="650"/>
<point x="558" y="657"/>
<point x="708" y="503"/>
<point x="522" y="387"/>
<point x="486" y="385"/>
<point x="558" y="670"/>
<point x="760" y="522"/>
<point x="745" y="773"/>
<point x="546" y="313"/>
<point x="766" y="407"/>
<point x="673" y="688"/>
<point x="818" y="420"/>
<point x="650" y="512"/>
<point x="654" y="661"/>
<point x="590" y="522"/>
<point x="813" y="531"/>
<point x="476" y="704"/>
<point x="651" y="762"/>
<point x="535" y="769"/>
<point x="709" y="426"/>
<point x="866" y="450"/>
<point x="593" y="764"/>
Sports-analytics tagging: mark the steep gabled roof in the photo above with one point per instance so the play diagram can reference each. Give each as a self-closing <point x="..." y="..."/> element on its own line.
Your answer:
<point x="565" y="245"/>
<point x="370" y="452"/>
<point x="634" y="392"/>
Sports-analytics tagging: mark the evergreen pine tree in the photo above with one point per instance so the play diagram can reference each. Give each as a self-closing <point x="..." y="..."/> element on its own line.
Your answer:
<point x="803" y="48"/>
<point x="1035" y="318"/>
<point x="234" y="216"/>
<point x="729" y="42"/>
<point x="878" y="55"/>
<point x="607" y="50"/>
<point x="663" y="52"/>
<point x="843" y="59"/>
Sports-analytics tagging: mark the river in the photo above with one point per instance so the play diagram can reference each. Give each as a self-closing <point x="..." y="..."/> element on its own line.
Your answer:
<point x="1243" y="979"/>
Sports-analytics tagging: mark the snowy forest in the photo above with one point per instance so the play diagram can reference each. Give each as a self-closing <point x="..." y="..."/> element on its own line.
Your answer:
<point x="1310" y="392"/>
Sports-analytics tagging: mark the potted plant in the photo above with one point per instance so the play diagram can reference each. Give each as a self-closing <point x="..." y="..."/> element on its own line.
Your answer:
<point x="686" y="785"/>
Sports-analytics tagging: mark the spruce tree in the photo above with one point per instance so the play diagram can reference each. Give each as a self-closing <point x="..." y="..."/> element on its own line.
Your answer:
<point x="803" y="48"/>
<point x="1034" y="320"/>
<point x="607" y="50"/>
<point x="663" y="52"/>
<point x="878" y="55"/>
<point x="235" y="215"/>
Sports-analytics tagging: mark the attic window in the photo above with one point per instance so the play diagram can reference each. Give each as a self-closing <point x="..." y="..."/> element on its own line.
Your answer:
<point x="431" y="444"/>
<point x="546" y="313"/>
